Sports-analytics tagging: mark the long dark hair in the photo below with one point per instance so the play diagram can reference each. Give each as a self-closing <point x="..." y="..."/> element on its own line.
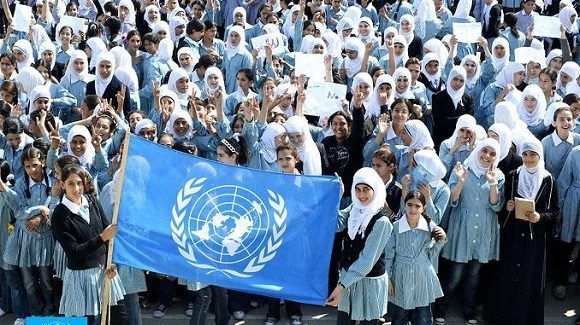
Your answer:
<point x="240" y="147"/>
<point x="29" y="154"/>
<point x="79" y="170"/>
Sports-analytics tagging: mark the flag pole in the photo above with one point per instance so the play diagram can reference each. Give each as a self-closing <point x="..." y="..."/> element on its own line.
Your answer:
<point x="107" y="285"/>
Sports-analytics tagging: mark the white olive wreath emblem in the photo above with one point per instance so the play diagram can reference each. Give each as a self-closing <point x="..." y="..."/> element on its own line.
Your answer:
<point x="185" y="246"/>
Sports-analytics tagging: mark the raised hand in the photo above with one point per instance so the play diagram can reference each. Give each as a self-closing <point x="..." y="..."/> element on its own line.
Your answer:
<point x="460" y="172"/>
<point x="96" y="140"/>
<point x="491" y="175"/>
<point x="384" y="123"/>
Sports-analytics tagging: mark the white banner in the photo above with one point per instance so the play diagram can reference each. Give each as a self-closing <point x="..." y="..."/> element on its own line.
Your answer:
<point x="22" y="18"/>
<point x="467" y="32"/>
<point x="546" y="26"/>
<point x="323" y="98"/>
<point x="310" y="65"/>
<point x="275" y="41"/>
<point x="77" y="24"/>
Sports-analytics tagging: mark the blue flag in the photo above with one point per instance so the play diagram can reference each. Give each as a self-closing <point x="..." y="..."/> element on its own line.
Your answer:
<point x="255" y="231"/>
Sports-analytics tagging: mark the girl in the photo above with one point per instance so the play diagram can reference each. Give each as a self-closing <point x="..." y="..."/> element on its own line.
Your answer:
<point x="211" y="45"/>
<point x="458" y="147"/>
<point x="126" y="13"/>
<point x="245" y="81"/>
<point x="547" y="81"/>
<point x="179" y="83"/>
<point x="415" y="137"/>
<point x="95" y="46"/>
<point x="299" y="135"/>
<point x="515" y="38"/>
<point x="521" y="274"/>
<point x="473" y="232"/>
<point x="558" y="145"/>
<point x="24" y="53"/>
<point x="504" y="88"/>
<point x="532" y="109"/>
<point x="7" y="67"/>
<point x="31" y="246"/>
<point x="508" y="158"/>
<point x="233" y="151"/>
<point x="9" y="92"/>
<point x="13" y="140"/>
<point x="65" y="48"/>
<point x="384" y="163"/>
<point x="449" y="104"/>
<point x="415" y="242"/>
<point x="361" y="293"/>
<point x="106" y="85"/>
<point x="81" y="227"/>
<point x="180" y="125"/>
<point x="413" y="41"/>
<point x="76" y="79"/>
<point x="569" y="72"/>
<point x="263" y="151"/>
<point x="574" y="101"/>
<point x="236" y="57"/>
<point x="353" y="63"/>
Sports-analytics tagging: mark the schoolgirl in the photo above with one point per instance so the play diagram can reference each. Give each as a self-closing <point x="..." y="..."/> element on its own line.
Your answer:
<point x="210" y="44"/>
<point x="79" y="224"/>
<point x="361" y="293"/>
<point x="13" y="140"/>
<point x="459" y="145"/>
<point x="389" y="133"/>
<point x="263" y="149"/>
<point x="413" y="246"/>
<point x="569" y="72"/>
<point x="521" y="272"/>
<point x="353" y="63"/>
<point x="413" y="41"/>
<point x="415" y="137"/>
<point x="382" y="97"/>
<point x="8" y="68"/>
<point x="95" y="46"/>
<point x="180" y="84"/>
<point x="574" y="101"/>
<point x="366" y="31"/>
<point x="559" y="143"/>
<point x="531" y="110"/>
<point x="47" y="58"/>
<point x="547" y="80"/>
<point x="384" y="163"/>
<point x="508" y="158"/>
<point x="127" y="16"/>
<point x="299" y="135"/>
<point x="23" y="51"/>
<point x="473" y="233"/>
<point x="146" y="21"/>
<point x="65" y="47"/>
<point x="245" y="81"/>
<point x="106" y="85"/>
<point x="31" y="245"/>
<point x="449" y="104"/>
<point x="236" y="57"/>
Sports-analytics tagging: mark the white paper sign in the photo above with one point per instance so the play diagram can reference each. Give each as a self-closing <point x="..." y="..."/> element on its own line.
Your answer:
<point x="22" y="18"/>
<point x="323" y="98"/>
<point x="524" y="55"/>
<point x="77" y="24"/>
<point x="467" y="32"/>
<point x="546" y="26"/>
<point x="310" y="65"/>
<point x="275" y="41"/>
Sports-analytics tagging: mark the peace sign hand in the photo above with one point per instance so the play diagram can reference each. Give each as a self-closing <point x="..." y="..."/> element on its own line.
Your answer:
<point x="96" y="140"/>
<point x="491" y="175"/>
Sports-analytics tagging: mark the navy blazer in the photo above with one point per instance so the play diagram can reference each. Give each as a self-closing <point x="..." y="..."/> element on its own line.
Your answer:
<point x="111" y="93"/>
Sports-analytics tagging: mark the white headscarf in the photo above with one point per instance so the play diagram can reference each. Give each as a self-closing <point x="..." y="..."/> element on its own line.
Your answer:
<point x="143" y="124"/>
<point x="499" y="63"/>
<point x="436" y="46"/>
<point x="420" y="136"/>
<point x="549" y="115"/>
<point x="161" y="26"/>
<point x="429" y="57"/>
<point x="472" y="162"/>
<point x="71" y="72"/>
<point x="505" y="138"/>
<point x="129" y="18"/>
<point x="354" y="66"/>
<point x="361" y="215"/>
<point x="401" y="59"/>
<point x="122" y="57"/>
<point x="530" y="180"/>
<point x="344" y="23"/>
<point x="463" y="9"/>
<point x="177" y="114"/>
<point x="86" y="160"/>
<point x="555" y="53"/>
<point x="374" y="108"/>
<point x="217" y="72"/>
<point x="232" y="50"/>
<point x="465" y="121"/>
<point x="430" y="161"/>
<point x="389" y="30"/>
<point x="362" y="78"/>
<point x="146" y="15"/>
<point x="174" y="76"/>
<point x="100" y="82"/>
<point x="403" y="73"/>
<point x="473" y="80"/>
<point x="456" y="95"/>
<point x="243" y="12"/>
<point x="411" y="34"/>
<point x="128" y="77"/>
<point x="537" y="115"/>
<point x="308" y="152"/>
<point x="174" y="23"/>
<point x="24" y="47"/>
<point x="334" y="44"/>
<point x="572" y="69"/>
<point x="48" y="46"/>
<point x="565" y="14"/>
<point x="97" y="46"/>
<point x="29" y="78"/>
<point x="165" y="52"/>
<point x="194" y="57"/>
<point x="506" y="77"/>
<point x="425" y="12"/>
<point x="289" y="25"/>
<point x="306" y="46"/>
<point x="507" y="114"/>
<point x="370" y="38"/>
<point x="36" y="93"/>
<point x="268" y="141"/>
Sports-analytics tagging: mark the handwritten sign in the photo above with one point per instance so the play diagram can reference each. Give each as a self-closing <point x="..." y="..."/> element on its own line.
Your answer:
<point x="323" y="98"/>
<point x="546" y="26"/>
<point x="22" y="18"/>
<point x="310" y="65"/>
<point x="524" y="55"/>
<point x="467" y="32"/>
<point x="275" y="41"/>
<point x="77" y="24"/>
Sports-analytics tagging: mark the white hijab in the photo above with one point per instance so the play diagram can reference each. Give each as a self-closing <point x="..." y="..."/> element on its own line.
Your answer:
<point x="420" y="136"/>
<point x="565" y="14"/>
<point x="354" y="66"/>
<point x="401" y="59"/>
<point x="463" y="9"/>
<point x="48" y="46"/>
<point x="268" y="141"/>
<point x="506" y="77"/>
<point x="430" y="161"/>
<point x="97" y="46"/>
<point x="436" y="46"/>
<point x="217" y="72"/>
<point x="71" y="72"/>
<point x="429" y="57"/>
<point x="175" y="22"/>
<point x="100" y="82"/>
<point x="537" y="115"/>
<point x="146" y="15"/>
<point x="308" y="152"/>
<point x="505" y="138"/>
<point x="425" y="12"/>
<point x="411" y="34"/>
<point x="374" y="108"/>
<point x="403" y="73"/>
<point x="362" y="78"/>
<point x="361" y="215"/>
<point x="232" y="50"/>
<point x="499" y="63"/>
<point x="289" y="25"/>
<point x="177" y="114"/>
<point x="29" y="78"/>
<point x="475" y="78"/>
<point x="472" y="162"/>
<point x="456" y="95"/>
<point x="24" y="47"/>
<point x="129" y="18"/>
<point x="174" y="76"/>
<point x="36" y="93"/>
<point x="530" y="180"/>
<point x="86" y="160"/>
<point x="465" y="121"/>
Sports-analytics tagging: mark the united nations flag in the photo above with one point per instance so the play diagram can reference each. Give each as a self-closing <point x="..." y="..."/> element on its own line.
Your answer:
<point x="261" y="232"/>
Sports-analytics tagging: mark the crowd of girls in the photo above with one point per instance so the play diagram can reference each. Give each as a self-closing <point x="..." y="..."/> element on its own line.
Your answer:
<point x="437" y="142"/>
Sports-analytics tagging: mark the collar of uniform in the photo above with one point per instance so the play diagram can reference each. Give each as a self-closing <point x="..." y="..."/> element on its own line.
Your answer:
<point x="32" y="182"/>
<point x="73" y="207"/>
<point x="404" y="225"/>
<point x="557" y="139"/>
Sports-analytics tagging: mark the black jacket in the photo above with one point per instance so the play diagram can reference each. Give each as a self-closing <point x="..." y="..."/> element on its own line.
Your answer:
<point x="445" y="114"/>
<point x="491" y="30"/>
<point x="111" y="93"/>
<point x="81" y="241"/>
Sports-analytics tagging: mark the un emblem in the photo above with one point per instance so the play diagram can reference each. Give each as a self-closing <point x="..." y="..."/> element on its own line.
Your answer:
<point x="230" y="226"/>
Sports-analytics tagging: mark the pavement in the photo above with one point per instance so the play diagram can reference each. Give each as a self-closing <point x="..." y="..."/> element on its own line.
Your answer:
<point x="556" y="312"/>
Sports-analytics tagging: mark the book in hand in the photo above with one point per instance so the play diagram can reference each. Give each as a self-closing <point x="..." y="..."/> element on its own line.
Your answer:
<point x="523" y="206"/>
